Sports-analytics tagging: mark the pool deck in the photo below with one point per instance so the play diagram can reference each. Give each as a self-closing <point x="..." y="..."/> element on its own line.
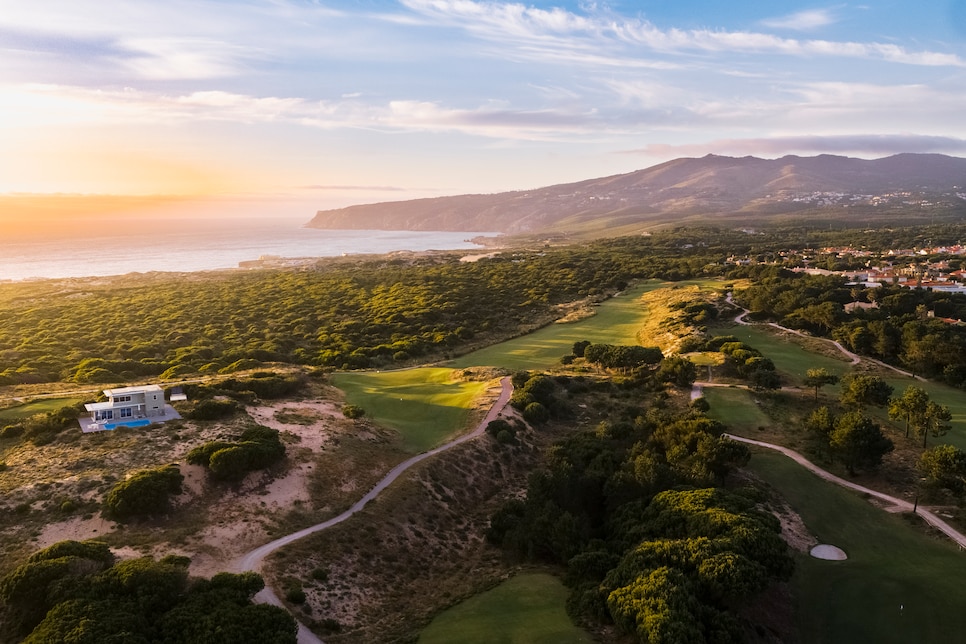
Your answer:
<point x="88" y="426"/>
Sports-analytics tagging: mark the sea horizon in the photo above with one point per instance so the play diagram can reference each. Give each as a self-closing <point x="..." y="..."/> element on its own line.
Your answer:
<point x="119" y="247"/>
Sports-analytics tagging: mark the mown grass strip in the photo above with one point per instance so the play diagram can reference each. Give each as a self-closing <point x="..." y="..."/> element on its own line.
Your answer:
<point x="616" y="321"/>
<point x="526" y="609"/>
<point x="789" y="358"/>
<point x="793" y="360"/>
<point x="426" y="406"/>
<point x="898" y="584"/>
<point x="26" y="410"/>
<point x="736" y="408"/>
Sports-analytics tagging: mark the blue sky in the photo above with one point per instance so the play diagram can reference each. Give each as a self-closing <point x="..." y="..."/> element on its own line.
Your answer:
<point x="294" y="106"/>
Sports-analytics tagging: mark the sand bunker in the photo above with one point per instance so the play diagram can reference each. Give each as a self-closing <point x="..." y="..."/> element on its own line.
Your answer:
<point x="825" y="551"/>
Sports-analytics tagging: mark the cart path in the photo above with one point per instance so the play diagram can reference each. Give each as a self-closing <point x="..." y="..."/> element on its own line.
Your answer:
<point x="740" y="319"/>
<point x="899" y="504"/>
<point x="253" y="560"/>
<point x="853" y="357"/>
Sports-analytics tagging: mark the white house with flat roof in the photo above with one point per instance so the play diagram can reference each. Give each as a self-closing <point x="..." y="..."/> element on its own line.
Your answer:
<point x="129" y="406"/>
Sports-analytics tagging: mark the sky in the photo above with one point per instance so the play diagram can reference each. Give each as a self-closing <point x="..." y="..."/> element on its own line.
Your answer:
<point x="282" y="107"/>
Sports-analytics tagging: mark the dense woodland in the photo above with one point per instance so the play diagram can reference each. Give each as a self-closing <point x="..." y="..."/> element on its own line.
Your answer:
<point x="357" y="314"/>
<point x="77" y="592"/>
<point x="637" y="513"/>
<point x="906" y="329"/>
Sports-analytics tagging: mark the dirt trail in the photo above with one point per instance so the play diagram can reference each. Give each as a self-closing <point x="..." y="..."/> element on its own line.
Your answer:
<point x="253" y="560"/>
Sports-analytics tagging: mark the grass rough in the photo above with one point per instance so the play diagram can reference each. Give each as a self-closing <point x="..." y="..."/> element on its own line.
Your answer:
<point x="525" y="609"/>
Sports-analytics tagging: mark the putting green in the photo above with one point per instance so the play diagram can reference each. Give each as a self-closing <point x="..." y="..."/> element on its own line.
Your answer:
<point x="897" y="585"/>
<point x="426" y="406"/>
<point x="527" y="609"/>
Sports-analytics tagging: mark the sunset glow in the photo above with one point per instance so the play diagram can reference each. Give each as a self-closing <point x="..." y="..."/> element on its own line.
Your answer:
<point x="332" y="103"/>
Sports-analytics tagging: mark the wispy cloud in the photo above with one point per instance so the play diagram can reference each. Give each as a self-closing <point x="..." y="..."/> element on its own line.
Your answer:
<point x="181" y="58"/>
<point x="517" y="23"/>
<point x="33" y="105"/>
<point x="802" y="20"/>
<point x="262" y="87"/>
<point x="354" y="188"/>
<point x="870" y="144"/>
<point x="641" y="105"/>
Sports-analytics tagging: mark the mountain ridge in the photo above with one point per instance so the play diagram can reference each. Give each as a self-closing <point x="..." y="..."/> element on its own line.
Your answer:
<point x="681" y="190"/>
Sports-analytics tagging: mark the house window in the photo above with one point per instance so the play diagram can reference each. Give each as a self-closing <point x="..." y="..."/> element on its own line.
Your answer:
<point x="127" y="412"/>
<point x="118" y="399"/>
<point x="107" y="414"/>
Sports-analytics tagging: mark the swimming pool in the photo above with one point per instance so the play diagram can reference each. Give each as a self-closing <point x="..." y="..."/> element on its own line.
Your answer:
<point x="130" y="423"/>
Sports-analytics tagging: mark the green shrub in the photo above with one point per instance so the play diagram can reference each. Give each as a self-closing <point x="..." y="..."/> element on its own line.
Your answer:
<point x="536" y="413"/>
<point x="211" y="409"/>
<point x="295" y="595"/>
<point x="241" y="365"/>
<point x="353" y="411"/>
<point x="201" y="455"/>
<point x="64" y="595"/>
<point x="11" y="431"/>
<point x="175" y="372"/>
<point x="257" y="448"/>
<point x="230" y="463"/>
<point x="90" y="549"/>
<point x="494" y="427"/>
<point x="146" y="492"/>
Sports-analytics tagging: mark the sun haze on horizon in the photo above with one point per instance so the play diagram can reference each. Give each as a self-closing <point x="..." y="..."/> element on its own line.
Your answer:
<point x="140" y="108"/>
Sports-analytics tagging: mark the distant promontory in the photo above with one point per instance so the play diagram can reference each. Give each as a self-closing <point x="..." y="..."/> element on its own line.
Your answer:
<point x="736" y="190"/>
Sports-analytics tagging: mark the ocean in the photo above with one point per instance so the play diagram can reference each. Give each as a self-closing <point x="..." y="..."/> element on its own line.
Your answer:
<point x="120" y="247"/>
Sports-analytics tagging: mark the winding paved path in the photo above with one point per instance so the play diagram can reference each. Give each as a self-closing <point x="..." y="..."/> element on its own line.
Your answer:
<point x="253" y="560"/>
<point x="740" y="319"/>
<point x="899" y="504"/>
<point x="854" y="357"/>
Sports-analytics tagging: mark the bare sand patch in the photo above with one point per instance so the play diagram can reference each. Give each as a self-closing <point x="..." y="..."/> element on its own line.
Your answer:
<point x="283" y="492"/>
<point x="194" y="480"/>
<point x="476" y="258"/>
<point x="223" y="542"/>
<point x="309" y="420"/>
<point x="75" y="529"/>
<point x="243" y="513"/>
<point x="794" y="531"/>
<point x="828" y="552"/>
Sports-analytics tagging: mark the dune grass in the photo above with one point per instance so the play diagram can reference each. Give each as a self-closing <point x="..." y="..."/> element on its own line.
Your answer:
<point x="616" y="321"/>
<point x="13" y="414"/>
<point x="898" y="584"/>
<point x="425" y="406"/>
<point x="527" y="609"/>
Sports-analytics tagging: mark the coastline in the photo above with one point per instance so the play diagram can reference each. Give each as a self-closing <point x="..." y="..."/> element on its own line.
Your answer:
<point x="207" y="245"/>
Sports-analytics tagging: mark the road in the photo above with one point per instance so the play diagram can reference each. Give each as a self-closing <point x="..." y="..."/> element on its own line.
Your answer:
<point x="253" y="560"/>
<point x="930" y="518"/>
